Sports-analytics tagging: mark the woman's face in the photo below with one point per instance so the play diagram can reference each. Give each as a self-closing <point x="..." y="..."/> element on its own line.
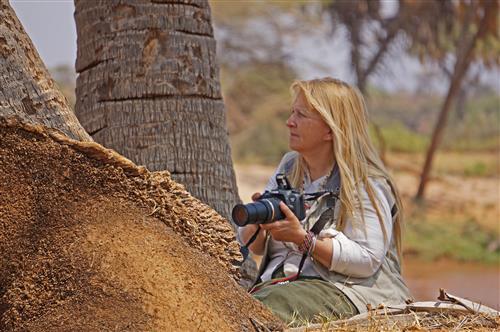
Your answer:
<point x="308" y="131"/>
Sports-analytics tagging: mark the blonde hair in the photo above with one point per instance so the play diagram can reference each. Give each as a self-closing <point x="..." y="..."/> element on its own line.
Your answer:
<point x="343" y="109"/>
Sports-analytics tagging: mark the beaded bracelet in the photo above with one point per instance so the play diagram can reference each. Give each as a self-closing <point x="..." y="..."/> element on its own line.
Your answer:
<point x="307" y="246"/>
<point x="313" y="246"/>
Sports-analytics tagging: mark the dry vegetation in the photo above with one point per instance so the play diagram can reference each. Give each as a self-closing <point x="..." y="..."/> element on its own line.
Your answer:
<point x="416" y="321"/>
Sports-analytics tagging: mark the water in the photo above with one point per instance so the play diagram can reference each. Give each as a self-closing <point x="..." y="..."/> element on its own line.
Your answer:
<point x="475" y="282"/>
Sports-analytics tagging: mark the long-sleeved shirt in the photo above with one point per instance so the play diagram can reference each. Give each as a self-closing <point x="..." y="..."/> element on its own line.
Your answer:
<point x="358" y="250"/>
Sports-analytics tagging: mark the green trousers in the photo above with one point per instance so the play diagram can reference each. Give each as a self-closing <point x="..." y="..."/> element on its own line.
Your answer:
<point x="306" y="300"/>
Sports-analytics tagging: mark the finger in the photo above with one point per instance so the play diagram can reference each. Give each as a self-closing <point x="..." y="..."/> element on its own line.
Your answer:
<point x="256" y="196"/>
<point x="286" y="210"/>
<point x="270" y="226"/>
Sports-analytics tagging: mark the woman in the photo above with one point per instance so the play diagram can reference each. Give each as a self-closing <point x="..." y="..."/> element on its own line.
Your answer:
<point x="354" y="261"/>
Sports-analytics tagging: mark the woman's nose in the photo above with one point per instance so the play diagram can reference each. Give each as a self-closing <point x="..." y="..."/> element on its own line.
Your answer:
<point x="290" y="122"/>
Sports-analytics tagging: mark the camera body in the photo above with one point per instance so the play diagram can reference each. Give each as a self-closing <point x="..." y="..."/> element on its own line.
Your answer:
<point x="266" y="209"/>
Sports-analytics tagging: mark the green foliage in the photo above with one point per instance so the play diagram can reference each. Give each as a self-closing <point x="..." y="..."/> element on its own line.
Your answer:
<point x="398" y="138"/>
<point x="261" y="144"/>
<point x="467" y="164"/>
<point x="476" y="127"/>
<point x="258" y="94"/>
<point x="469" y="143"/>
<point x="465" y="241"/>
<point x="478" y="169"/>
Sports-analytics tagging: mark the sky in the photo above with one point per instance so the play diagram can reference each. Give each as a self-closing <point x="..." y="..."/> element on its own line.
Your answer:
<point x="51" y="27"/>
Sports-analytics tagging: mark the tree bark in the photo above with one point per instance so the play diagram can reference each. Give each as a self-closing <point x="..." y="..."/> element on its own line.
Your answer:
<point x="148" y="87"/>
<point x="27" y="91"/>
<point x="464" y="58"/>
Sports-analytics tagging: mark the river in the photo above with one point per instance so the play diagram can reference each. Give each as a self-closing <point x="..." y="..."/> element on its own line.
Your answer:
<point x="476" y="282"/>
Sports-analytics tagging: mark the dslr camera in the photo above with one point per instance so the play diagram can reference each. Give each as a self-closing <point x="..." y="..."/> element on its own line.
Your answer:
<point x="267" y="208"/>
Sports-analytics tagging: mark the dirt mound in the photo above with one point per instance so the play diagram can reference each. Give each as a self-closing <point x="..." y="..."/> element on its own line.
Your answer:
<point x="84" y="244"/>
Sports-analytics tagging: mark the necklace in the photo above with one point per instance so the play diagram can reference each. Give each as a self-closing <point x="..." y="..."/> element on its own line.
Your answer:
<point x="322" y="184"/>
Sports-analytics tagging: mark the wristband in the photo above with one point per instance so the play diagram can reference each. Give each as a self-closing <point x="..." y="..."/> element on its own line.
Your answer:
<point x="313" y="246"/>
<point x="307" y="244"/>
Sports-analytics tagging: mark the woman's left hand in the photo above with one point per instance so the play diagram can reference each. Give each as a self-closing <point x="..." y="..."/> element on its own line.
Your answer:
<point x="288" y="229"/>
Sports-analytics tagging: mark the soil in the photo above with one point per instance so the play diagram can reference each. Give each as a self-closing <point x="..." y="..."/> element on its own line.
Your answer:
<point x="90" y="241"/>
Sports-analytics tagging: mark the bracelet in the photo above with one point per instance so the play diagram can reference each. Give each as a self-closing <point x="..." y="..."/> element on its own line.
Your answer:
<point x="313" y="246"/>
<point x="307" y="246"/>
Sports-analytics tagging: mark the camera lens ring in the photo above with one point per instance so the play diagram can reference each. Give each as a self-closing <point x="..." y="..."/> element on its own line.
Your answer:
<point x="272" y="208"/>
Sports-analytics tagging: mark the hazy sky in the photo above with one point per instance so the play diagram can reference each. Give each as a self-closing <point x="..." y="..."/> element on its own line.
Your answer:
<point x="51" y="27"/>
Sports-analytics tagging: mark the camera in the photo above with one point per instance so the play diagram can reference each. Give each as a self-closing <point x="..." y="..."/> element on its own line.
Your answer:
<point x="267" y="209"/>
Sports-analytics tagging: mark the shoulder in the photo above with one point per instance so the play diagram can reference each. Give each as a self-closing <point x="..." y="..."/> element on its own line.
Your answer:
<point x="381" y="188"/>
<point x="289" y="156"/>
<point x="287" y="161"/>
<point x="284" y="166"/>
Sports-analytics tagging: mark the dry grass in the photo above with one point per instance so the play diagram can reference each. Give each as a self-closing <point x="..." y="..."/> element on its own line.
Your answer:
<point x="413" y="321"/>
<point x="470" y="164"/>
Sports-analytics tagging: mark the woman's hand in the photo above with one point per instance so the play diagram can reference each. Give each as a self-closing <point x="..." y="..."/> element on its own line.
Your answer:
<point x="246" y="232"/>
<point x="288" y="229"/>
<point x="256" y="196"/>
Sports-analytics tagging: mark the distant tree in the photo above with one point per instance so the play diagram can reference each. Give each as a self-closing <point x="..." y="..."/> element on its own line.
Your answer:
<point x="371" y="36"/>
<point x="442" y="31"/>
<point x="148" y="87"/>
<point x="27" y="91"/>
<point x="65" y="77"/>
<point x="454" y="34"/>
<point x="370" y="33"/>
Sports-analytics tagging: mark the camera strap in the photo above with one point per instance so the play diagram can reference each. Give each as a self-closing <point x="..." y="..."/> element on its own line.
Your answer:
<point x="244" y="248"/>
<point x="316" y="229"/>
<point x="319" y="225"/>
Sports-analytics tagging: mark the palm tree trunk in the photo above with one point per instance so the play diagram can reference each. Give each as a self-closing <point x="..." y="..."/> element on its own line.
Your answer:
<point x="148" y="87"/>
<point x="27" y="92"/>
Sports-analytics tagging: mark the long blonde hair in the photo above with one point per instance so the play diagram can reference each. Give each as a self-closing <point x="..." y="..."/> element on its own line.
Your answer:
<point x="343" y="109"/>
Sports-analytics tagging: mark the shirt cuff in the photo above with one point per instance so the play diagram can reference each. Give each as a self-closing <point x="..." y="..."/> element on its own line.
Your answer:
<point x="337" y="252"/>
<point x="336" y="246"/>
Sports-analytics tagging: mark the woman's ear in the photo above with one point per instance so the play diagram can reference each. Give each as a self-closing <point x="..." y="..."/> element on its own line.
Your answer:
<point x="328" y="136"/>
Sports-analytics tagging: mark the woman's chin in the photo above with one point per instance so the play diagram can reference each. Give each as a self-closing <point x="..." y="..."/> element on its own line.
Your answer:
<point x="294" y="146"/>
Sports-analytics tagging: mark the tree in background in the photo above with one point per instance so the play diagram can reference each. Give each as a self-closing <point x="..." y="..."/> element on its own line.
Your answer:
<point x="464" y="31"/>
<point x="374" y="34"/>
<point x="148" y="87"/>
<point x="253" y="41"/>
<point x="377" y="32"/>
<point x="27" y="91"/>
<point x="370" y="33"/>
<point x="443" y="31"/>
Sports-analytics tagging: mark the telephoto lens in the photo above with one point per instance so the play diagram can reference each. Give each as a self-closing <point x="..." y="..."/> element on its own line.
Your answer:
<point x="261" y="212"/>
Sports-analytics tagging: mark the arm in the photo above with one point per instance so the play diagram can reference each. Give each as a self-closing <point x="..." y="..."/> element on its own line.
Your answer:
<point x="257" y="246"/>
<point x="245" y="233"/>
<point x="290" y="230"/>
<point x="359" y="250"/>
